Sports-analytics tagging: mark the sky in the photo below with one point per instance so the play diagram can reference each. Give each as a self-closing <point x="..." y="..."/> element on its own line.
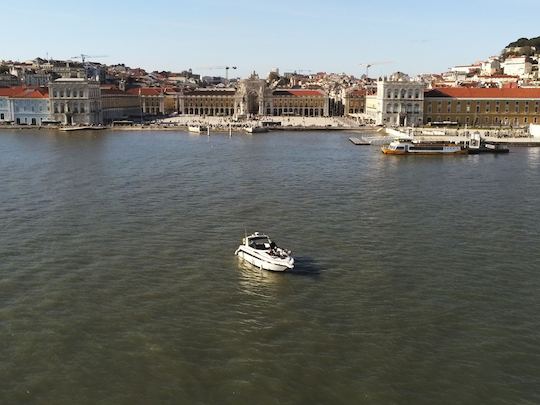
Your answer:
<point x="319" y="36"/>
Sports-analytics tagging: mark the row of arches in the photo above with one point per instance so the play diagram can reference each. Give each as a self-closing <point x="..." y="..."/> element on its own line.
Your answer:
<point x="400" y="108"/>
<point x="403" y="93"/>
<point x="302" y="112"/>
<point x="208" y="111"/>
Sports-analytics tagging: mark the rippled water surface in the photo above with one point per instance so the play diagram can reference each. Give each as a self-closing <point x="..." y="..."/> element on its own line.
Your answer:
<point x="417" y="279"/>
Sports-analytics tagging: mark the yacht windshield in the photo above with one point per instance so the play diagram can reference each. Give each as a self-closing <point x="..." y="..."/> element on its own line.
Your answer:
<point x="260" y="243"/>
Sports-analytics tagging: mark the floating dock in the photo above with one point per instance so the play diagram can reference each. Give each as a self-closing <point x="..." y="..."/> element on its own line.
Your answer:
<point x="359" y="141"/>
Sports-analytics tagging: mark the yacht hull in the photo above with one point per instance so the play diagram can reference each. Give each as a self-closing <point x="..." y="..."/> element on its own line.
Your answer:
<point x="262" y="262"/>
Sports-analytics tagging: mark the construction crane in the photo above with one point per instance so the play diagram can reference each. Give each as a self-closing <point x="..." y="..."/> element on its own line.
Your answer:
<point x="87" y="65"/>
<point x="220" y="68"/>
<point x="83" y="57"/>
<point x="295" y="71"/>
<point x="370" y="64"/>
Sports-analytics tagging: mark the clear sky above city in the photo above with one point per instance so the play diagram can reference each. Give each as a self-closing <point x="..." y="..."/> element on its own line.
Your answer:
<point x="331" y="36"/>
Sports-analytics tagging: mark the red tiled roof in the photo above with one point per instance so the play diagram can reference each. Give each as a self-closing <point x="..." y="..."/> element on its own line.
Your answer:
<point x="24" y="92"/>
<point x="500" y="76"/>
<point x="462" y="92"/>
<point x="41" y="92"/>
<point x="116" y="91"/>
<point x="210" y="92"/>
<point x="10" y="91"/>
<point x="145" y="91"/>
<point x="358" y="92"/>
<point x="297" y="92"/>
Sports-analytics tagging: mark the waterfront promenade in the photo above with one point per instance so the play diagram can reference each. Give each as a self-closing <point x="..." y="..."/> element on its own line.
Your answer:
<point x="515" y="137"/>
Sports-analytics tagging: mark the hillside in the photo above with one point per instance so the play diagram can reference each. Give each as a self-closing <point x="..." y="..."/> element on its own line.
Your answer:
<point x="521" y="42"/>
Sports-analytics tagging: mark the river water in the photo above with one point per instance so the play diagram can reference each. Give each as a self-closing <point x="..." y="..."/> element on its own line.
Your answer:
<point x="417" y="279"/>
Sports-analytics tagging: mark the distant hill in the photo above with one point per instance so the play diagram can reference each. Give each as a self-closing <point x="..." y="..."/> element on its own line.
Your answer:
<point x="525" y="42"/>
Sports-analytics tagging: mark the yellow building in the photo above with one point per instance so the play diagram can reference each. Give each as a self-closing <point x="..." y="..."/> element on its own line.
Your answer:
<point x="298" y="102"/>
<point x="152" y="99"/>
<point x="483" y="107"/>
<point x="355" y="102"/>
<point x="117" y="104"/>
<point x="214" y="102"/>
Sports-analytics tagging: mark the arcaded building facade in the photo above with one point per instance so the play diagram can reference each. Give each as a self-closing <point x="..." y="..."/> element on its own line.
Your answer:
<point x="482" y="107"/>
<point x="397" y="103"/>
<point x="75" y="101"/>
<point x="253" y="97"/>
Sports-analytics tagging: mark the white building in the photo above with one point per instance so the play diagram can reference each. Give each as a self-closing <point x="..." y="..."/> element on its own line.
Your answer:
<point x="466" y="69"/>
<point x="24" y="106"/>
<point x="397" y="103"/>
<point x="517" y="66"/>
<point x="490" y="67"/>
<point x="76" y="101"/>
<point x="5" y="108"/>
<point x="30" y="106"/>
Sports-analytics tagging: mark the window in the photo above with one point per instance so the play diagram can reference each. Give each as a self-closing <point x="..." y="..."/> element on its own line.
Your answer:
<point x="1" y="116"/>
<point x="458" y="106"/>
<point x="526" y="106"/>
<point x="487" y="106"/>
<point x="449" y="106"/>
<point x="507" y="106"/>
<point x="517" y="106"/>
<point x="416" y="93"/>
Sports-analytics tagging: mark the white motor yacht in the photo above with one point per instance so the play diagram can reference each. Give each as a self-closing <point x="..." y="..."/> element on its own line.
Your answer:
<point x="198" y="129"/>
<point x="260" y="251"/>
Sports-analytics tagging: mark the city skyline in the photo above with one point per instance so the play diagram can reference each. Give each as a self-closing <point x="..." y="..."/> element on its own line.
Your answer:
<point x="310" y="35"/>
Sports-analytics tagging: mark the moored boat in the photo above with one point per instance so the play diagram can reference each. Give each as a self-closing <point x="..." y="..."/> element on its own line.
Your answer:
<point x="255" y="129"/>
<point x="488" y="148"/>
<point x="197" y="128"/>
<point x="408" y="147"/>
<point x="82" y="128"/>
<point x="259" y="250"/>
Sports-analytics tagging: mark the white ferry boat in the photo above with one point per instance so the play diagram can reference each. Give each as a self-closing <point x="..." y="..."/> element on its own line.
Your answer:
<point x="260" y="251"/>
<point x="408" y="147"/>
